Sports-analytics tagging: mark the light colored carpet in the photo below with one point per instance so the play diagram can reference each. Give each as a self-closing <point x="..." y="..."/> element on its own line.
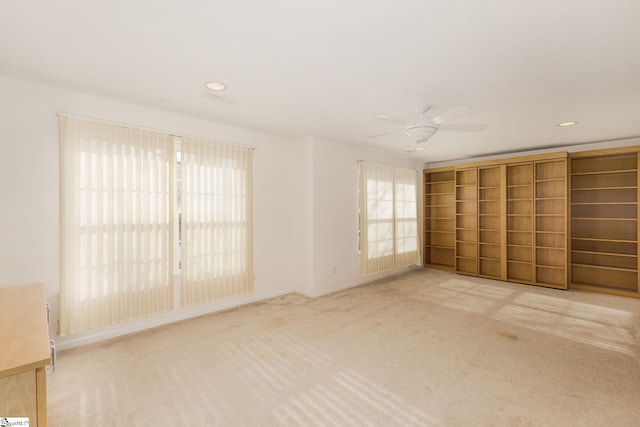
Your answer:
<point x="424" y="348"/>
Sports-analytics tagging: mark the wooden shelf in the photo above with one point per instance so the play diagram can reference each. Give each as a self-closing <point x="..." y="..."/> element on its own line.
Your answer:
<point x="604" y="253"/>
<point x="602" y="267"/>
<point x="634" y="203"/>
<point x="604" y="172"/>
<point x="466" y="189"/>
<point x="439" y="218"/>
<point x="491" y="221"/>
<point x="519" y="261"/>
<point x="550" y="242"/>
<point x="551" y="267"/>
<point x="550" y="180"/>
<point x="603" y="188"/>
<point x="604" y="220"/>
<point x="603" y="240"/>
<point x="510" y="219"/>
<point x="517" y="212"/>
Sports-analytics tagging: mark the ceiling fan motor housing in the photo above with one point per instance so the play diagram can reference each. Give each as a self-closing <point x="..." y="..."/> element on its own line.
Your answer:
<point x="420" y="131"/>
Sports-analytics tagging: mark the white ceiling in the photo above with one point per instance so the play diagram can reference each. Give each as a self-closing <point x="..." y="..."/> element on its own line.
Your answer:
<point x="326" y="68"/>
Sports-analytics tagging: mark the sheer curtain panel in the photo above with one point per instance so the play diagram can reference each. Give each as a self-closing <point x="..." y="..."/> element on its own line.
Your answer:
<point x="388" y="218"/>
<point x="216" y="205"/>
<point x="116" y="224"/>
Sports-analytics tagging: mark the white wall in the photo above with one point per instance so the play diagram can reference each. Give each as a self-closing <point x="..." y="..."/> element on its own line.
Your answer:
<point x="29" y="178"/>
<point x="305" y="199"/>
<point x="595" y="145"/>
<point x="336" y="262"/>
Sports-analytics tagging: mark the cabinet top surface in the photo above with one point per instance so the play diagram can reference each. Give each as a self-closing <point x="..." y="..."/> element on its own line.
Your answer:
<point x="24" y="333"/>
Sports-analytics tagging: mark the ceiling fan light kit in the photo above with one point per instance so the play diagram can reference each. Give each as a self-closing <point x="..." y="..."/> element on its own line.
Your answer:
<point x="420" y="132"/>
<point x="218" y="86"/>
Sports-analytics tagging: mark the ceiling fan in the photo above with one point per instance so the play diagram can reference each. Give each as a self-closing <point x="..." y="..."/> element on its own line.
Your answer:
<point x="219" y="98"/>
<point x="423" y="127"/>
<point x="413" y="149"/>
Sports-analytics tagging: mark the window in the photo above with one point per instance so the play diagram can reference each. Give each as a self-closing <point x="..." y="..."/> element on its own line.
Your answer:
<point x="139" y="207"/>
<point x="388" y="218"/>
<point x="215" y="203"/>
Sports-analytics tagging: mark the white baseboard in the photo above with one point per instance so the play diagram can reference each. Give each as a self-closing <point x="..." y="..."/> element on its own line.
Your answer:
<point x="361" y="281"/>
<point x="159" y="320"/>
<point x="183" y="314"/>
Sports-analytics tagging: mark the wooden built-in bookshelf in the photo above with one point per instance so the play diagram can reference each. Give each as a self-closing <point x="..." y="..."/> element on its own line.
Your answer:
<point x="551" y="223"/>
<point x="604" y="221"/>
<point x="554" y="220"/>
<point x="439" y="218"/>
<point x="466" y="211"/>
<point x="510" y="219"/>
<point x="520" y="223"/>
<point x="491" y="259"/>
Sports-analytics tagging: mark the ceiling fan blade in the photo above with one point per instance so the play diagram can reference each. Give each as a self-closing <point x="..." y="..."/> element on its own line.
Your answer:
<point x="219" y="98"/>
<point x="413" y="149"/>
<point x="451" y="114"/>
<point x="390" y="119"/>
<point x="463" y="127"/>
<point x="384" y="134"/>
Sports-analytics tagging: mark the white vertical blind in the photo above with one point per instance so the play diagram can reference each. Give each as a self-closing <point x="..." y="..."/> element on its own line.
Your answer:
<point x="216" y="202"/>
<point x="388" y="218"/>
<point x="116" y="224"/>
<point x="406" y="216"/>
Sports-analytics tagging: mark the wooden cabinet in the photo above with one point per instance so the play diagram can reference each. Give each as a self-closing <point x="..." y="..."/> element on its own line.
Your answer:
<point x="24" y="353"/>
<point x="604" y="221"/>
<point x="439" y="218"/>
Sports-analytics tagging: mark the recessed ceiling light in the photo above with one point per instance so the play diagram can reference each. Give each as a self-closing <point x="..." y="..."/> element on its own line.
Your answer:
<point x="215" y="85"/>
<point x="419" y="148"/>
<point x="567" y="124"/>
